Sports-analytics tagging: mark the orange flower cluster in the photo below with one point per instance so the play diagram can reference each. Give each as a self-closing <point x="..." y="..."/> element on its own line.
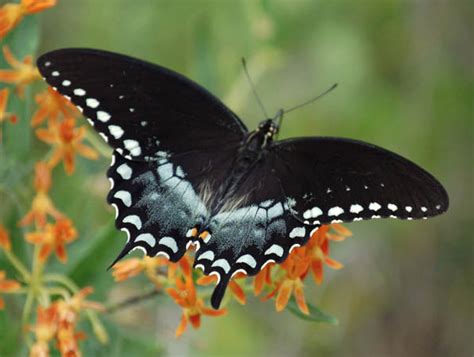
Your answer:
<point x="58" y="301"/>
<point x="280" y="280"/>
<point x="58" y="322"/>
<point x="12" y="14"/>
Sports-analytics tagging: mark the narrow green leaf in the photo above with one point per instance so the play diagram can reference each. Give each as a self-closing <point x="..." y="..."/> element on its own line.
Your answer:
<point x="315" y="314"/>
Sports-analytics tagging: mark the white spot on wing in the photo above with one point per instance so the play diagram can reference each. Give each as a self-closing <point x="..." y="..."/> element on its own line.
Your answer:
<point x="298" y="232"/>
<point x="222" y="263"/>
<point x="374" y="206"/>
<point x="55" y="74"/>
<point x="79" y="92"/>
<point x="408" y="208"/>
<point x="147" y="238"/>
<point x="125" y="171"/>
<point x="125" y="197"/>
<point x="247" y="259"/>
<point x="209" y="255"/>
<point x="275" y="249"/>
<point x="335" y="211"/>
<point x="275" y="211"/>
<point x="101" y="115"/>
<point x="356" y="208"/>
<point x="133" y="146"/>
<point x="133" y="219"/>
<point x="66" y="83"/>
<point x="92" y="103"/>
<point x="116" y="131"/>
<point x="169" y="242"/>
<point x="316" y="211"/>
<point x="392" y="207"/>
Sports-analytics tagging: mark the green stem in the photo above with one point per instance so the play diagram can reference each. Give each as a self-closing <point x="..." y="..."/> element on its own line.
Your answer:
<point x="18" y="265"/>
<point x="59" y="291"/>
<point x="111" y="308"/>
<point x="62" y="279"/>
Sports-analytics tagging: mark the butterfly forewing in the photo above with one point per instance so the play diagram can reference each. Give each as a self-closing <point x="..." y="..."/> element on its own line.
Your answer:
<point x="335" y="179"/>
<point x="142" y="110"/>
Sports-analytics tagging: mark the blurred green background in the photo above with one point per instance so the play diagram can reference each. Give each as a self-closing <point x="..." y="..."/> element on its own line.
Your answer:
<point x="405" y="74"/>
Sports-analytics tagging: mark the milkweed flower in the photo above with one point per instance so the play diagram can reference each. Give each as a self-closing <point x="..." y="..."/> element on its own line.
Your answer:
<point x="130" y="268"/>
<point x="318" y="249"/>
<point x="45" y="330"/>
<point x="22" y="72"/>
<point x="12" y="14"/>
<point x="7" y="286"/>
<point x="67" y="140"/>
<point x="54" y="237"/>
<point x="4" y="115"/>
<point x="51" y="105"/>
<point x="296" y="267"/>
<point x="193" y="307"/>
<point x="42" y="206"/>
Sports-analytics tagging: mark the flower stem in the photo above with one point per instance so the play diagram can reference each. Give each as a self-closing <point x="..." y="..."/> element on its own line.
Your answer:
<point x="18" y="265"/>
<point x="132" y="301"/>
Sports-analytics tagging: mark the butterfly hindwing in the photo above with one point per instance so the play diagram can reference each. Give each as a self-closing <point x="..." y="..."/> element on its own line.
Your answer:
<point x="155" y="205"/>
<point x="335" y="179"/>
<point x="139" y="108"/>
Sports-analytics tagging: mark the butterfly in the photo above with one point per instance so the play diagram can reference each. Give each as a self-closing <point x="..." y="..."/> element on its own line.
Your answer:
<point x="186" y="171"/>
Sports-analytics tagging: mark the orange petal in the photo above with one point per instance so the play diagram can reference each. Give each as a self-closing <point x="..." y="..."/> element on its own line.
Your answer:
<point x="5" y="239"/>
<point x="34" y="237"/>
<point x="195" y="320"/>
<point x="44" y="252"/>
<point x="317" y="268"/>
<point x="333" y="263"/>
<point x="11" y="60"/>
<point x="341" y="230"/>
<point x="3" y="99"/>
<point x="258" y="282"/>
<point x="33" y="6"/>
<point x="211" y="312"/>
<point x="61" y="253"/>
<point x="9" y="76"/>
<point x="300" y="300"/>
<point x="68" y="162"/>
<point x="238" y="292"/>
<point x="284" y="294"/>
<point x="87" y="152"/>
<point x="206" y="280"/>
<point x="182" y="325"/>
<point x="335" y="237"/>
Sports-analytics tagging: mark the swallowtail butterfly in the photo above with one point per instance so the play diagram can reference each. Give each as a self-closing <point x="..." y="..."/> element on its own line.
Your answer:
<point x="185" y="169"/>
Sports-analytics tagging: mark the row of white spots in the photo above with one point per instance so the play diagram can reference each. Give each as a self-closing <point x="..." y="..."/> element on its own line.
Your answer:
<point x="312" y="213"/>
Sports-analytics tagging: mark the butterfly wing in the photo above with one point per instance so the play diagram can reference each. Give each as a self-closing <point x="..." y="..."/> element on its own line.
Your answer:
<point x="173" y="140"/>
<point x="256" y="228"/>
<point x="334" y="179"/>
<point x="140" y="109"/>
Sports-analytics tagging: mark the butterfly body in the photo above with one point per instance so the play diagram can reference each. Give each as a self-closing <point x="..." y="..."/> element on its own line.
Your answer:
<point x="185" y="170"/>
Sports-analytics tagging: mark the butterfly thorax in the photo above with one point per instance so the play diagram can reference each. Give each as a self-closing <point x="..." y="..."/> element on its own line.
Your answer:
<point x="250" y="153"/>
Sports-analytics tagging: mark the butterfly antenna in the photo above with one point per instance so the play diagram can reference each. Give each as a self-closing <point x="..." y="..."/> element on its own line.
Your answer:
<point x="311" y="100"/>
<point x="244" y="64"/>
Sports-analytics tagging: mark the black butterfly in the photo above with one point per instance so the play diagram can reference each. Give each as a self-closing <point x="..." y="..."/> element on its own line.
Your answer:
<point x="185" y="170"/>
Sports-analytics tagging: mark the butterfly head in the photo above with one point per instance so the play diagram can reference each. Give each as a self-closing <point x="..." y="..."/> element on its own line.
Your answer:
<point x="269" y="127"/>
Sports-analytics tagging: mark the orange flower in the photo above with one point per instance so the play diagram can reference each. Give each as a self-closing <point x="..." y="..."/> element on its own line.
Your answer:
<point x="12" y="14"/>
<point x="4" y="115"/>
<point x="54" y="237"/>
<point x="68" y="309"/>
<point x="296" y="267"/>
<point x="193" y="307"/>
<point x="7" y="286"/>
<point x="5" y="239"/>
<point x="22" y="73"/>
<point x="236" y="290"/>
<point x="50" y="105"/>
<point x="67" y="339"/>
<point x="44" y="330"/>
<point x="132" y="267"/>
<point x="318" y="249"/>
<point x="42" y="206"/>
<point x="67" y="141"/>
<point x="262" y="278"/>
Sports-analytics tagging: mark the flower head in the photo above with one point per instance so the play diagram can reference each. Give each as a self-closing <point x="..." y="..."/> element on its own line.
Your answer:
<point x="129" y="268"/>
<point x="45" y="329"/>
<point x="318" y="249"/>
<point x="54" y="237"/>
<point x="296" y="267"/>
<point x="67" y="140"/>
<point x="42" y="206"/>
<point x="50" y="105"/>
<point x="193" y="307"/>
<point x="4" y="115"/>
<point x="12" y="14"/>
<point x="7" y="286"/>
<point x="22" y="72"/>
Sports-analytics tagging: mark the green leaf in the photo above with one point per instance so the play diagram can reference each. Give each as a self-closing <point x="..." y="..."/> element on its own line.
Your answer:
<point x="315" y="314"/>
